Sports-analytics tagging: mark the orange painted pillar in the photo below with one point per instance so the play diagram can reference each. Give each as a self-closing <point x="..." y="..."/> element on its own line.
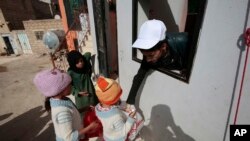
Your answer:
<point x="71" y="35"/>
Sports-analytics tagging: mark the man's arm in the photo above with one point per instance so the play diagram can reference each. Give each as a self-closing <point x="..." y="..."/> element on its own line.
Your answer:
<point x="137" y="80"/>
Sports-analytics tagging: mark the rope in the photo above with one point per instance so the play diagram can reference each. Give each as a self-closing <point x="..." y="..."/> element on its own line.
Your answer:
<point x="247" y="42"/>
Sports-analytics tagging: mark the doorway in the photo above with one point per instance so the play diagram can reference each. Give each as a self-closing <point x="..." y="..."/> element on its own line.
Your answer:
<point x="106" y="35"/>
<point x="9" y="50"/>
<point x="24" y="41"/>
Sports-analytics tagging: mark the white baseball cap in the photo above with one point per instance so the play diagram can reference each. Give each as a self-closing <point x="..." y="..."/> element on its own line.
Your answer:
<point x="151" y="32"/>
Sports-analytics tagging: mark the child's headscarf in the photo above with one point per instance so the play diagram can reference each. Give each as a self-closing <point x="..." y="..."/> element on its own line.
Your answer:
<point x="73" y="58"/>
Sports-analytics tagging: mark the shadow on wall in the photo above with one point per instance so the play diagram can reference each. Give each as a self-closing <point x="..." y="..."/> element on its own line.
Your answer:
<point x="139" y="93"/>
<point x="162" y="127"/>
<point x="160" y="9"/>
<point x="242" y="47"/>
<point x="27" y="127"/>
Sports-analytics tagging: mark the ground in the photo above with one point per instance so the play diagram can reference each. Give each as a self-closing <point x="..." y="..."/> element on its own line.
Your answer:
<point x="22" y="116"/>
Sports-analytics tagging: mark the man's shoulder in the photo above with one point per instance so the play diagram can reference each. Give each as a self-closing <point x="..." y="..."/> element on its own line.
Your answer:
<point x="177" y="39"/>
<point x="178" y="35"/>
<point x="178" y="42"/>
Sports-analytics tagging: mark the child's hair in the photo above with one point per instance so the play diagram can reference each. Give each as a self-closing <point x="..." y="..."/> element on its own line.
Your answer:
<point x="108" y="91"/>
<point x="47" y="104"/>
<point x="51" y="83"/>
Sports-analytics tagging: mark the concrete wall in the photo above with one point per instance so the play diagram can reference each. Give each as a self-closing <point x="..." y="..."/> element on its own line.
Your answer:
<point x="31" y="26"/>
<point x="12" y="15"/>
<point x="203" y="109"/>
<point x="173" y="13"/>
<point x="71" y="35"/>
<point x="2" y="45"/>
<point x="16" y="12"/>
<point x="4" y="27"/>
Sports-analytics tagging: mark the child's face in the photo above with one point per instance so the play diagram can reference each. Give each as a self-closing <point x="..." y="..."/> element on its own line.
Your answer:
<point x="80" y="64"/>
<point x="67" y="90"/>
<point x="153" y="56"/>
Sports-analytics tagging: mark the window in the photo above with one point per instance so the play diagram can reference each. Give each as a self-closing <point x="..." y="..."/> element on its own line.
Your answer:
<point x="180" y="17"/>
<point x="39" y="35"/>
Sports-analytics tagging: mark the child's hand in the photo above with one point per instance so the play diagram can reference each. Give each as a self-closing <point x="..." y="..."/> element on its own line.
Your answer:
<point x="132" y="114"/>
<point x="93" y="126"/>
<point x="92" y="107"/>
<point x="129" y="108"/>
<point x="83" y="93"/>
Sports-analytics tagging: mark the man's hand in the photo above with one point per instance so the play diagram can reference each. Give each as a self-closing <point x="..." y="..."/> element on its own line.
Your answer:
<point x="132" y="114"/>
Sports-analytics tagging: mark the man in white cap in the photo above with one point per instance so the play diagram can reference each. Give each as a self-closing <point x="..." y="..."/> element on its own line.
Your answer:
<point x="160" y="50"/>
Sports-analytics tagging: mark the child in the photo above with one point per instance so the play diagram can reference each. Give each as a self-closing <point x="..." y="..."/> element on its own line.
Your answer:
<point x="82" y="86"/>
<point x="117" y="125"/>
<point x="55" y="86"/>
